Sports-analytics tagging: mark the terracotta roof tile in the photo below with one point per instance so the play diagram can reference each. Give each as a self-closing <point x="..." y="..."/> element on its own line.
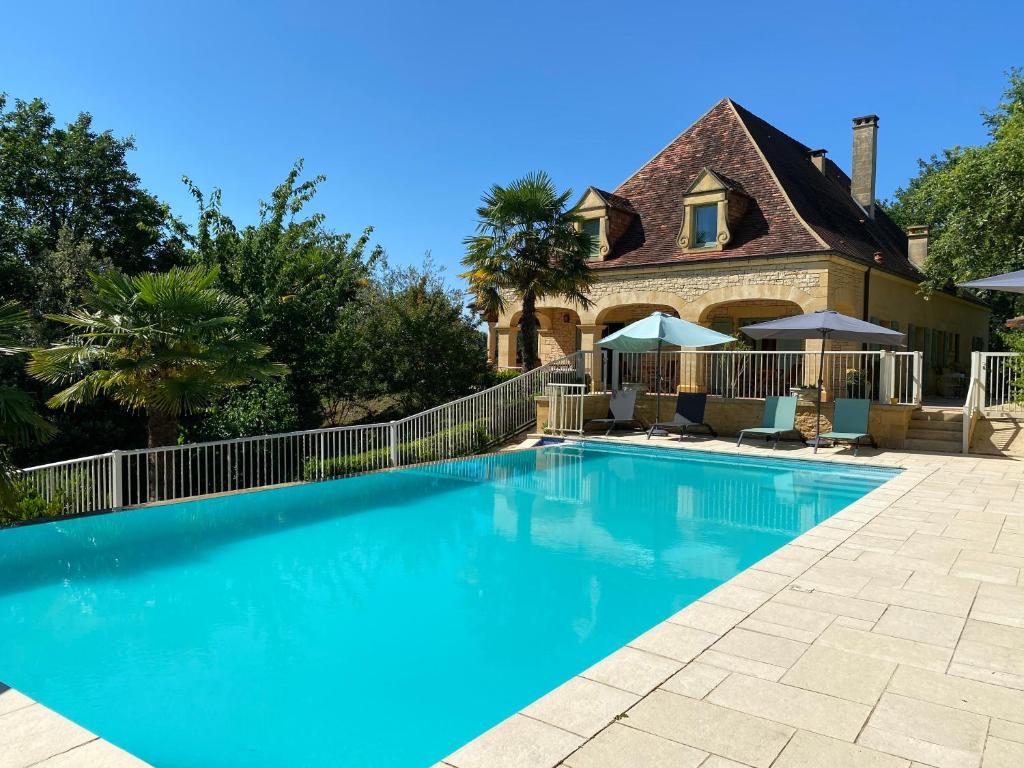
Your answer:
<point x="794" y="207"/>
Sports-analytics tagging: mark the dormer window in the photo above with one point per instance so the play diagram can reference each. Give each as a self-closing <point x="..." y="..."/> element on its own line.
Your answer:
<point x="705" y="226"/>
<point x="712" y="205"/>
<point x="604" y="216"/>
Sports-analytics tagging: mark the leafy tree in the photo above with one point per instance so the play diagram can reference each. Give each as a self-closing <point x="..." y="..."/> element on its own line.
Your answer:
<point x="66" y="192"/>
<point x="70" y="205"/>
<point x="299" y="282"/>
<point x="421" y="343"/>
<point x="259" y="408"/>
<point x="19" y="422"/>
<point x="166" y="343"/>
<point x="528" y="245"/>
<point x="973" y="200"/>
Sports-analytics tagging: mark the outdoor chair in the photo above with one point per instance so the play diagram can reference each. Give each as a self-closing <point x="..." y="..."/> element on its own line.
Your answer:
<point x="779" y="418"/>
<point x="620" y="411"/>
<point x="850" y="423"/>
<point x="689" y="413"/>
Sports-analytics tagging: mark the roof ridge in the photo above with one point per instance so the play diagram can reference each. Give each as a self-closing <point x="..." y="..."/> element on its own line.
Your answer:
<point x="771" y="172"/>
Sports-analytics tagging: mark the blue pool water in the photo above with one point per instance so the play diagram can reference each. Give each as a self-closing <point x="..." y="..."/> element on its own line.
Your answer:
<point x="381" y="620"/>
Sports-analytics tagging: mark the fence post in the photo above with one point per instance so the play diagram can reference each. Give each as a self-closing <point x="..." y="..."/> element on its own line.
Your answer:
<point x="982" y="377"/>
<point x="918" y="377"/>
<point x="886" y="376"/>
<point x="116" y="492"/>
<point x="393" y="442"/>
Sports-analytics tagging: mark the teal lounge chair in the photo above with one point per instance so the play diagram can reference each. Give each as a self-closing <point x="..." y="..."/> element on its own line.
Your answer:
<point x="850" y="423"/>
<point x="779" y="418"/>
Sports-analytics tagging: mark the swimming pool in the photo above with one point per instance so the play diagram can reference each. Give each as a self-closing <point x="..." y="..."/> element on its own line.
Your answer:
<point x="385" y="619"/>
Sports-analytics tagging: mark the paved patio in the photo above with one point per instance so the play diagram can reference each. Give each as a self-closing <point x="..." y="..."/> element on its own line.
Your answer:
<point x="890" y="635"/>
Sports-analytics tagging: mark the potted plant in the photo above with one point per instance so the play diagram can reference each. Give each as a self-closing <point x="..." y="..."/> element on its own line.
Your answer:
<point x="856" y="383"/>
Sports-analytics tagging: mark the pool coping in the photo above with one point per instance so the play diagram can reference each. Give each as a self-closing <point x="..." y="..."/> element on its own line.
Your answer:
<point x="639" y="704"/>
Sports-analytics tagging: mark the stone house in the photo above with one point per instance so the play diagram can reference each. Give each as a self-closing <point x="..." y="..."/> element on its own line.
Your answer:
<point x="734" y="222"/>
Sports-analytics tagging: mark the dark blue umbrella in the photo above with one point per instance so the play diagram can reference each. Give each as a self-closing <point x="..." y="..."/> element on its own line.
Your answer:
<point x="824" y="324"/>
<point x="1012" y="282"/>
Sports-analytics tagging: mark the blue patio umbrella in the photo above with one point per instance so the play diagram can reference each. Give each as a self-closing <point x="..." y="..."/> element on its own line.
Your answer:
<point x="1012" y="282"/>
<point x="824" y="324"/>
<point x="659" y="329"/>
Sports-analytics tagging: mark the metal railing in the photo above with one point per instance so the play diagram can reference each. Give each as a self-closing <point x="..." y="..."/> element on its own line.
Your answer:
<point x="1000" y="380"/>
<point x="565" y="408"/>
<point x="875" y="375"/>
<point x="462" y="427"/>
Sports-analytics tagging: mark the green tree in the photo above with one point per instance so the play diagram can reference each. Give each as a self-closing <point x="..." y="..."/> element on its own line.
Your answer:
<point x="69" y="205"/>
<point x="19" y="422"/>
<point x="300" y="283"/>
<point x="421" y="343"/>
<point x="973" y="200"/>
<point x="67" y="193"/>
<point x="166" y="343"/>
<point x="529" y="246"/>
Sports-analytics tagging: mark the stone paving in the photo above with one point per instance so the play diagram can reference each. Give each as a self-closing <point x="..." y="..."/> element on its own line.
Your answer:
<point x="890" y="635"/>
<point x="32" y="735"/>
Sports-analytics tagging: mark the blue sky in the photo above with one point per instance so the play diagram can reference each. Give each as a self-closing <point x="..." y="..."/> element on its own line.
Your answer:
<point x="413" y="109"/>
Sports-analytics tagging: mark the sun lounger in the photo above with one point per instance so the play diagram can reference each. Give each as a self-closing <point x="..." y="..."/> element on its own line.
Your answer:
<point x="689" y="413"/>
<point x="620" y="411"/>
<point x="779" y="418"/>
<point x="850" y="423"/>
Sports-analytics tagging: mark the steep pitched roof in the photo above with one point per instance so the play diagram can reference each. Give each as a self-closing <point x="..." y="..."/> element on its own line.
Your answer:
<point x="795" y="208"/>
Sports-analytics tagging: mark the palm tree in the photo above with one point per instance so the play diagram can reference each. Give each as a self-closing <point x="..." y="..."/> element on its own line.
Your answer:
<point x="165" y="342"/>
<point x="530" y="246"/>
<point x="19" y="422"/>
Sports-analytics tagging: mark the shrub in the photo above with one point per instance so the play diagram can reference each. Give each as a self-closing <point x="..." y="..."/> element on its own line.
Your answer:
<point x="29" y="504"/>
<point x="467" y="440"/>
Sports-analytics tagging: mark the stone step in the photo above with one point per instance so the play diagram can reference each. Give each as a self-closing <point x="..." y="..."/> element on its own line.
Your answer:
<point x="936" y="426"/>
<point x="938" y="415"/>
<point x="935" y="435"/>
<point x="936" y="446"/>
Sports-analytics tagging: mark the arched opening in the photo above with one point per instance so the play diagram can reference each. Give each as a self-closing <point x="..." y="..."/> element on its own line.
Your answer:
<point x="785" y="364"/>
<point x="558" y="335"/>
<point x="729" y="317"/>
<point x="625" y="368"/>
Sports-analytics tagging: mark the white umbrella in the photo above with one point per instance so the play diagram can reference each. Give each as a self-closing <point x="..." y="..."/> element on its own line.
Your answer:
<point x="658" y="329"/>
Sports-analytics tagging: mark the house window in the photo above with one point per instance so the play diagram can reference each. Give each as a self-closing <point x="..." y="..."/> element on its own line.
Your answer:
<point x="705" y="225"/>
<point x="593" y="228"/>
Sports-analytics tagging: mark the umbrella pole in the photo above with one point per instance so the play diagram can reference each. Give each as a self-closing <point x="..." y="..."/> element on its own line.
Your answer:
<point x="657" y="395"/>
<point x="821" y="385"/>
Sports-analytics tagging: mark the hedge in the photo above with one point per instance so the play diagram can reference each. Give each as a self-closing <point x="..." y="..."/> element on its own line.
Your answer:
<point x="468" y="439"/>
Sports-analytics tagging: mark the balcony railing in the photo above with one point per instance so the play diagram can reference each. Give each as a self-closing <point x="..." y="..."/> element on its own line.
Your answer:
<point x="881" y="376"/>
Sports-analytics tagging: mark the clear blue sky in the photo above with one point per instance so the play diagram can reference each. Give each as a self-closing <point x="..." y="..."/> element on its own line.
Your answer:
<point x="413" y="109"/>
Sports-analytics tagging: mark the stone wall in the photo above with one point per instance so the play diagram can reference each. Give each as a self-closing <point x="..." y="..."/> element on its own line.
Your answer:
<point x="887" y="423"/>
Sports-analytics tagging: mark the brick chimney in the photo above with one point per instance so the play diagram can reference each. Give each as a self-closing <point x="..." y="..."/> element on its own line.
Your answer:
<point x="818" y="158"/>
<point x="917" y="245"/>
<point x="865" y="144"/>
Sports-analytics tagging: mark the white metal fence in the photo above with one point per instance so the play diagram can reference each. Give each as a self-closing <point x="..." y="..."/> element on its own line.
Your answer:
<point x="879" y="376"/>
<point x="565" y="407"/>
<point x="995" y="388"/>
<point x="147" y="475"/>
